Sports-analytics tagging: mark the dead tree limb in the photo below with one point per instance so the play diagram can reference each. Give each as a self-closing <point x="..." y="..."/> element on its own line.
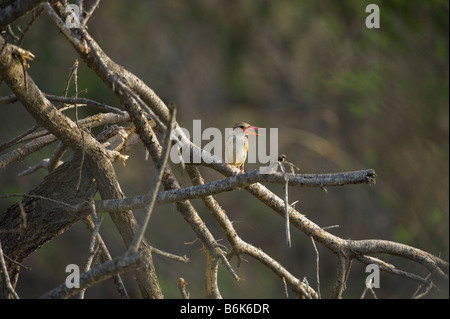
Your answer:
<point x="13" y="10"/>
<point x="99" y="159"/>
<point x="239" y="181"/>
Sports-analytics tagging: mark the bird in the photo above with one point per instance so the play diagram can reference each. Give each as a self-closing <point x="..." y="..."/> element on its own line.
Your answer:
<point x="236" y="146"/>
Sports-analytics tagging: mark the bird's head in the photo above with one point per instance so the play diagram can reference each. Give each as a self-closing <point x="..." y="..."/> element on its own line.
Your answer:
<point x="243" y="128"/>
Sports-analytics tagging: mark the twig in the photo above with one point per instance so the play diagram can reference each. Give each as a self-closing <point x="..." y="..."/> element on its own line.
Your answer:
<point x="42" y="164"/>
<point x="182" y="283"/>
<point x="95" y="275"/>
<point x="36" y="13"/>
<point x="286" y="202"/>
<point x="427" y="289"/>
<point x="80" y="101"/>
<point x="24" y="215"/>
<point x="11" y="32"/>
<point x="343" y="268"/>
<point x="90" y="12"/>
<point x="363" y="295"/>
<point x="87" y="265"/>
<point x="5" y="145"/>
<point x="16" y="262"/>
<point x="330" y="227"/>
<point x="74" y="73"/>
<point x="80" y="6"/>
<point x="133" y="248"/>
<point x="6" y="282"/>
<point x="71" y="207"/>
<point x="55" y="159"/>
<point x="105" y="255"/>
<point x="68" y="102"/>
<point x="286" y="293"/>
<point x="317" y="268"/>
<point x="157" y="251"/>
<point x="93" y="243"/>
<point x="25" y="150"/>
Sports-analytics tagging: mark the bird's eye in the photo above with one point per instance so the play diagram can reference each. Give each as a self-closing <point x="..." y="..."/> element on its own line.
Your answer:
<point x="241" y="126"/>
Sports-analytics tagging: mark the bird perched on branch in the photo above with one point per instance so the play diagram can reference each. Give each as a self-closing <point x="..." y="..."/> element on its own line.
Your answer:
<point x="236" y="146"/>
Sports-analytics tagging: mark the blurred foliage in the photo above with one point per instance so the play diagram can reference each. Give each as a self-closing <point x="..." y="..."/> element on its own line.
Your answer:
<point x="344" y="97"/>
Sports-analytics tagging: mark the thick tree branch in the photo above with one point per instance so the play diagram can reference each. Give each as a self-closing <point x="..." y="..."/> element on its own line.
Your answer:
<point x="98" y="158"/>
<point x="239" y="181"/>
<point x="13" y="10"/>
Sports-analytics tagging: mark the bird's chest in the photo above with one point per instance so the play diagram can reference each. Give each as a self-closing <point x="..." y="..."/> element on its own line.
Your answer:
<point x="236" y="149"/>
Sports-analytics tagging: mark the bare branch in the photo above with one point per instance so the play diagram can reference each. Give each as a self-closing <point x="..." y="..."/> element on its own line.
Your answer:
<point x="55" y="160"/>
<point x="343" y="269"/>
<point x="317" y="268"/>
<point x="16" y="9"/>
<point x="95" y="275"/>
<point x="105" y="255"/>
<point x="84" y="101"/>
<point x="363" y="295"/>
<point x="157" y="251"/>
<point x="43" y="138"/>
<point x="434" y="264"/>
<point x="7" y="287"/>
<point x="182" y="283"/>
<point x="426" y="287"/>
<point x="87" y="266"/>
<point x="93" y="244"/>
<point x="90" y="12"/>
<point x="42" y="164"/>
<point x="286" y="203"/>
<point x="155" y="185"/>
<point x="80" y="101"/>
<point x="235" y="182"/>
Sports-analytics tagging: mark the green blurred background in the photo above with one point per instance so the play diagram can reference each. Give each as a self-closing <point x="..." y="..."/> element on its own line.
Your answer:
<point x="344" y="97"/>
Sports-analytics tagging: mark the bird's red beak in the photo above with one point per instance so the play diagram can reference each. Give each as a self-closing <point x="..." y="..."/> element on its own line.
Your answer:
<point x="251" y="127"/>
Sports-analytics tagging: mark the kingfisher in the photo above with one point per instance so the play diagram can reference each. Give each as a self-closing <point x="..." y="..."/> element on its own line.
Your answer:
<point x="236" y="146"/>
